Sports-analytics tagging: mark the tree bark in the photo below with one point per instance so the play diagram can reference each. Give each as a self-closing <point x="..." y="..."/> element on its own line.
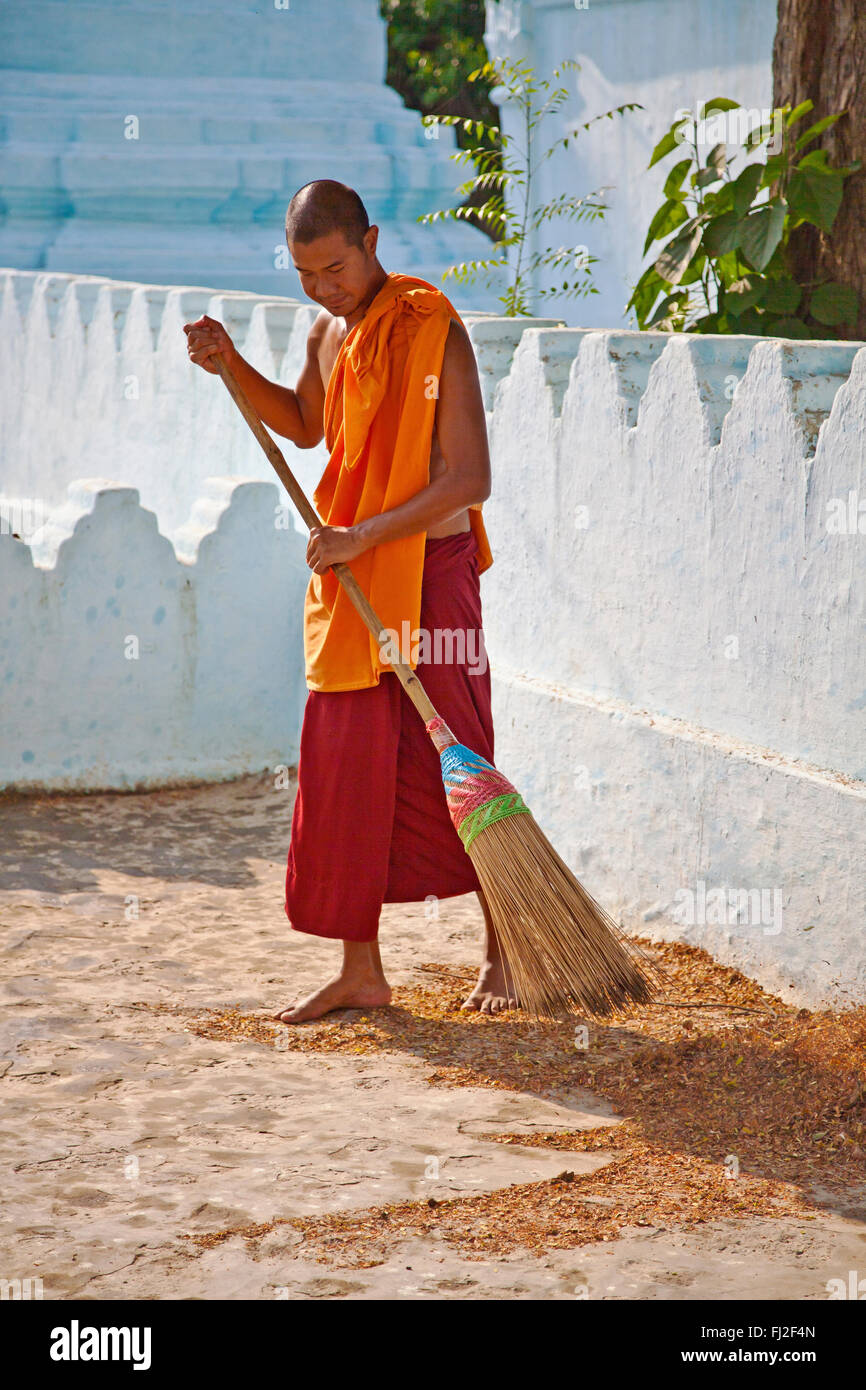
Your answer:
<point x="820" y="53"/>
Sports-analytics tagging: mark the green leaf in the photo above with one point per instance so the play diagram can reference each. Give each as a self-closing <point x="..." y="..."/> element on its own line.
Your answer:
<point x="565" y="205"/>
<point x="799" y="111"/>
<point x="710" y="323"/>
<point x="705" y="176"/>
<point x="787" y="328"/>
<point x="644" y="295"/>
<point x="677" y="301"/>
<point x="667" y="143"/>
<point x="674" y="180"/>
<point x="758" y="135"/>
<point x="674" y="259"/>
<point x="751" y="321"/>
<point x="761" y="233"/>
<point x="719" y="200"/>
<point x="723" y="233"/>
<point x="727" y="268"/>
<point x="744" y="294"/>
<point x="817" y="129"/>
<point x="695" y="269"/>
<point x="815" y="194"/>
<point x="718" y="157"/>
<point x="782" y="297"/>
<point x="815" y="159"/>
<point x="669" y="216"/>
<point x="717" y="104"/>
<point x="833" y="303"/>
<point x="746" y="186"/>
<point x="774" y="168"/>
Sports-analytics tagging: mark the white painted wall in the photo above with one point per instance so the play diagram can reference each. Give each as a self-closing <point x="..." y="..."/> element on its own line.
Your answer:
<point x="677" y="635"/>
<point x="675" y="614"/>
<point x="124" y="666"/>
<point x="95" y="381"/>
<point x="147" y="509"/>
<point x="665" y="54"/>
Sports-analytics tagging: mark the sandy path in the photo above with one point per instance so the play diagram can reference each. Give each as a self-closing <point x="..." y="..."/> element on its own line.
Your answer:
<point x="123" y="1132"/>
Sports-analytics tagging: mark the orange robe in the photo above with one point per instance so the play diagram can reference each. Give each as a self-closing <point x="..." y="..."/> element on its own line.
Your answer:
<point x="379" y="415"/>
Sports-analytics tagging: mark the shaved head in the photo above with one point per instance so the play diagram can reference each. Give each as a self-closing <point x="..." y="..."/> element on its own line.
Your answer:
<point x="333" y="248"/>
<point x="325" y="206"/>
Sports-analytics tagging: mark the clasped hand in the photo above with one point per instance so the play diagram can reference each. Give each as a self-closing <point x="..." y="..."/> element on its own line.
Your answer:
<point x="328" y="545"/>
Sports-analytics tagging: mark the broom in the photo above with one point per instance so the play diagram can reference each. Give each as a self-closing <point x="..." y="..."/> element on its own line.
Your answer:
<point x="564" y="952"/>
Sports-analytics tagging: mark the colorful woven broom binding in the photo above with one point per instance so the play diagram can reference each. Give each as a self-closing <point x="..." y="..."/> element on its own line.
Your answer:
<point x="564" y="953"/>
<point x="562" y="950"/>
<point x="477" y="794"/>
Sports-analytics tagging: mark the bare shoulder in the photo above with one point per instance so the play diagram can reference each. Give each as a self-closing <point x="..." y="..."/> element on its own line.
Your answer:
<point x="459" y="351"/>
<point x="458" y="336"/>
<point x="324" y="342"/>
<point x="319" y="327"/>
<point x="459" y="366"/>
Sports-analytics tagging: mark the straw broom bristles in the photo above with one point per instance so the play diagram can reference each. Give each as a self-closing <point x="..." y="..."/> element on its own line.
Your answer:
<point x="565" y="954"/>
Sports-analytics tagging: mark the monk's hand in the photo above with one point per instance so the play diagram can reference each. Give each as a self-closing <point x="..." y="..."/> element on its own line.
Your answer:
<point x="204" y="339"/>
<point x="330" y="544"/>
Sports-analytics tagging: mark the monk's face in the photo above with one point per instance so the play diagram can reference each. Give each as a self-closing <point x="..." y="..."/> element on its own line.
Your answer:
<point x="335" y="273"/>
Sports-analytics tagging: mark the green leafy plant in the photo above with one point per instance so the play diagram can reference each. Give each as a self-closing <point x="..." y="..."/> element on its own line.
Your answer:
<point x="432" y="47"/>
<point x="725" y="268"/>
<point x="505" y="169"/>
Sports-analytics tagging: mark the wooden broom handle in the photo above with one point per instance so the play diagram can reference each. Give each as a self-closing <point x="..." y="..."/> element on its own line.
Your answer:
<point x="410" y="682"/>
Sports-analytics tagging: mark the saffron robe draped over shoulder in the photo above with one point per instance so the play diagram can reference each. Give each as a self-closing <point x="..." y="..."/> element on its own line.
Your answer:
<point x="380" y="408"/>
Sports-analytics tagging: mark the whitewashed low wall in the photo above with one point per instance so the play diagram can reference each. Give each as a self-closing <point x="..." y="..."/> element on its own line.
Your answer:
<point x="677" y="629"/>
<point x="95" y="382"/>
<point x="675" y="615"/>
<point x="126" y="664"/>
<point x="150" y="613"/>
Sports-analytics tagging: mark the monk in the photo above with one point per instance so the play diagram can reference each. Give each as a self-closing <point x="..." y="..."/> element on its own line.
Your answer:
<point x="390" y="381"/>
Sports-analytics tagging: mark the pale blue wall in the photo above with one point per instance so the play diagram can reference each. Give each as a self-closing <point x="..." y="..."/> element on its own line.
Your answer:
<point x="237" y="105"/>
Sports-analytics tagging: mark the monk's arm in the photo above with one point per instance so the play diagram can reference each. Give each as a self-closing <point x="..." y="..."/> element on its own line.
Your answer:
<point x="296" y="415"/>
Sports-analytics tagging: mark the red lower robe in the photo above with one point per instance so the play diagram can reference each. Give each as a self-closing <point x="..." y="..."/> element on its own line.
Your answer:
<point x="370" y="822"/>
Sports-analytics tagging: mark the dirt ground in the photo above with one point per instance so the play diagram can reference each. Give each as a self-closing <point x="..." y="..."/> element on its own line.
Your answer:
<point x="145" y="1159"/>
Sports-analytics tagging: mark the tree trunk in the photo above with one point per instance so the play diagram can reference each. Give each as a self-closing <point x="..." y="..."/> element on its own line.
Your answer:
<point x="820" y="53"/>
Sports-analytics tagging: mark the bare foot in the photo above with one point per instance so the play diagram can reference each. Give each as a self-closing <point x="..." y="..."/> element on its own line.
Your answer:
<point x="495" y="990"/>
<point x="343" y="992"/>
<point x="360" y="984"/>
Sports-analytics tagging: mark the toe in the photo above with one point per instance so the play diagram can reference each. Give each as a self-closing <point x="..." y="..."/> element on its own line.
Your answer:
<point x="294" y="1016"/>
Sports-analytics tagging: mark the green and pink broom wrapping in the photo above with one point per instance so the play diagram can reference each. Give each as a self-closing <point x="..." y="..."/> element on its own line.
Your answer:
<point x="564" y="953"/>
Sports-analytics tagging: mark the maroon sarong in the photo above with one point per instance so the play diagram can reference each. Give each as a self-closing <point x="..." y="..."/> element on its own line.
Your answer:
<point x="370" y="822"/>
